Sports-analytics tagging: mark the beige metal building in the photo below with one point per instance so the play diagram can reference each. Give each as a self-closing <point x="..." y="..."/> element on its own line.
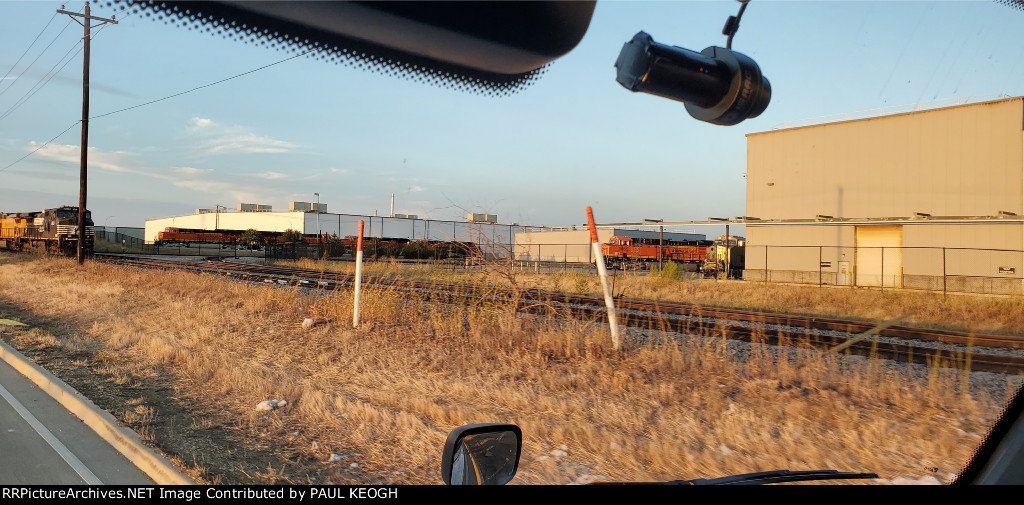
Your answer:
<point x="489" y="235"/>
<point x="929" y="199"/>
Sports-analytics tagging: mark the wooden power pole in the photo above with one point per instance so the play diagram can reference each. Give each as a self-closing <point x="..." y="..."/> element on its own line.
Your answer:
<point x="82" y="178"/>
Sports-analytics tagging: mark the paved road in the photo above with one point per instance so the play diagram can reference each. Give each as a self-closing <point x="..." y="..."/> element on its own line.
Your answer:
<point x="42" y="443"/>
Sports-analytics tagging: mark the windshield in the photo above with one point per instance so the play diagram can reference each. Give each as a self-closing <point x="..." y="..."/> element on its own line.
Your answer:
<point x="877" y="197"/>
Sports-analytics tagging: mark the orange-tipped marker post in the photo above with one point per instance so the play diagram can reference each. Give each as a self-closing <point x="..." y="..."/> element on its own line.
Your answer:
<point x="603" y="273"/>
<point x="359" y="274"/>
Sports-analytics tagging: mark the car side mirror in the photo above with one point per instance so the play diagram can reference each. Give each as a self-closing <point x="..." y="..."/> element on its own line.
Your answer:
<point x="482" y="454"/>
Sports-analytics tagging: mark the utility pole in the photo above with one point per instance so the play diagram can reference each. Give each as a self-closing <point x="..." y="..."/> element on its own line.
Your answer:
<point x="82" y="177"/>
<point x="661" y="241"/>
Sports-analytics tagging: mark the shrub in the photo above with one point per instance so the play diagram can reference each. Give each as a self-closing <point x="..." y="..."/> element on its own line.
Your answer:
<point x="669" y="272"/>
<point x="291" y="236"/>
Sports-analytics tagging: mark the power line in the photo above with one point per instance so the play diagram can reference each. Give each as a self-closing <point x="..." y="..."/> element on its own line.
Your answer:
<point x="35" y="60"/>
<point x="27" y="49"/>
<point x="155" y="101"/>
<point x="203" y="86"/>
<point x="55" y="137"/>
<point x="42" y="83"/>
<point x="48" y="76"/>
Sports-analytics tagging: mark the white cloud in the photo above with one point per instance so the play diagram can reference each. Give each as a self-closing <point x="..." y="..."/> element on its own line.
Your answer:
<point x="113" y="161"/>
<point x="220" y="188"/>
<point x="248" y="143"/>
<point x="416" y="189"/>
<point x="200" y="122"/>
<point x="191" y="170"/>
<point x="273" y="176"/>
<point x="217" y="139"/>
<point x="191" y="178"/>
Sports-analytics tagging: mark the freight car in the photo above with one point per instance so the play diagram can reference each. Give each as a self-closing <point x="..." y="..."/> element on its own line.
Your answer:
<point x="52" y="230"/>
<point x="185" y="236"/>
<point x="727" y="256"/>
<point x="620" y="251"/>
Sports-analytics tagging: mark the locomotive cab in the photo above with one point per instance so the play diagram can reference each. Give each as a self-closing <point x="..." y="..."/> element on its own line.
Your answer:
<point x="726" y="257"/>
<point x="61" y="233"/>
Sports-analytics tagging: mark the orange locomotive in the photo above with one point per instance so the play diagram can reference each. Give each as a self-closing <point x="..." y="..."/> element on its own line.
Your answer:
<point x="630" y="249"/>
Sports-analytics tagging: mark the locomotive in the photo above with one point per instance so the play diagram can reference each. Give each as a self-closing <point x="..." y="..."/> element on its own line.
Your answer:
<point x="52" y="230"/>
<point x="726" y="256"/>
<point x="622" y="250"/>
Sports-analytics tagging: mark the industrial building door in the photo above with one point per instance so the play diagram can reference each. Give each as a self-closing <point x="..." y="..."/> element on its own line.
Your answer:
<point x="879" y="257"/>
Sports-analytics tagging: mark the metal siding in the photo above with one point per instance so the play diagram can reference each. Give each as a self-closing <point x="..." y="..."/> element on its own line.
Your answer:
<point x="264" y="221"/>
<point x="959" y="258"/>
<point x="569" y="246"/>
<point x="796" y="248"/>
<point x="964" y="160"/>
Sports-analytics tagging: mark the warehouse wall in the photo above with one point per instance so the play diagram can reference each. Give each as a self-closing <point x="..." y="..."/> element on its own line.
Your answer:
<point x="570" y="246"/>
<point x="981" y="257"/>
<point x="958" y="161"/>
<point x="265" y="221"/>
<point x="486" y="234"/>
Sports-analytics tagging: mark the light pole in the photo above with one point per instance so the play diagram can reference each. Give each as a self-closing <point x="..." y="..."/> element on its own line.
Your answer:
<point x="106" y="231"/>
<point x="317" y="210"/>
<point x="216" y="218"/>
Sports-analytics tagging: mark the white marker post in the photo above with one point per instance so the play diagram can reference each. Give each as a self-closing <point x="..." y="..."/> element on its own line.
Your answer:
<point x="603" y="272"/>
<point x="359" y="275"/>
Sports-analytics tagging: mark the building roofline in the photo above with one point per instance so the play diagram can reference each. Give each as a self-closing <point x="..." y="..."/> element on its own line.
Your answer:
<point x="919" y="108"/>
<point x="346" y="214"/>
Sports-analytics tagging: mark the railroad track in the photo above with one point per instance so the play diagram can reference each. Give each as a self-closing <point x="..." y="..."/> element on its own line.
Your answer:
<point x="988" y="353"/>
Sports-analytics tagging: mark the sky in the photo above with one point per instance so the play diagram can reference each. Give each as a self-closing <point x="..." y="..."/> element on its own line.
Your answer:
<point x="575" y="138"/>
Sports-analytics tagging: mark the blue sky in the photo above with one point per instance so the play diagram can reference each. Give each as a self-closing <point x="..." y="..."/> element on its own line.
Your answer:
<point x="539" y="157"/>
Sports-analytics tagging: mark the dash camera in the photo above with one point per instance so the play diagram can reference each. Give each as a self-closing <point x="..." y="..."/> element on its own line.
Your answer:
<point x="718" y="85"/>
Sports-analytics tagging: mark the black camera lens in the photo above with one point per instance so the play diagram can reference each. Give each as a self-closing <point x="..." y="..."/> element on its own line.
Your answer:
<point x="717" y="85"/>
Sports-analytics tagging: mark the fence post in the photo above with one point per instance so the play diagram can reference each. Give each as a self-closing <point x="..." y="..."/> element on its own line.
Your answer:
<point x="603" y="272"/>
<point x="819" y="266"/>
<point x="359" y="274"/>
<point x="766" y="263"/>
<point x="883" y="268"/>
<point x="943" y="270"/>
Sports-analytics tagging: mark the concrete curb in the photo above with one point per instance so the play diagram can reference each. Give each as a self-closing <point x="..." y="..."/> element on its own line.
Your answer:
<point x="124" y="440"/>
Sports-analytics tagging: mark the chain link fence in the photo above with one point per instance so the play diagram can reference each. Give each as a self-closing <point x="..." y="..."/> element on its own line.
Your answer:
<point x="129" y="241"/>
<point x="946" y="269"/>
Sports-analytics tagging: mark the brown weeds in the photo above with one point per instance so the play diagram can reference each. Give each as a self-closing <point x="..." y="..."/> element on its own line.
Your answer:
<point x="981" y="313"/>
<point x="385" y="395"/>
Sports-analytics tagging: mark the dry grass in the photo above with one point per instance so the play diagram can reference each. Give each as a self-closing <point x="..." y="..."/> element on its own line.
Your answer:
<point x="981" y="313"/>
<point x="385" y="395"/>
